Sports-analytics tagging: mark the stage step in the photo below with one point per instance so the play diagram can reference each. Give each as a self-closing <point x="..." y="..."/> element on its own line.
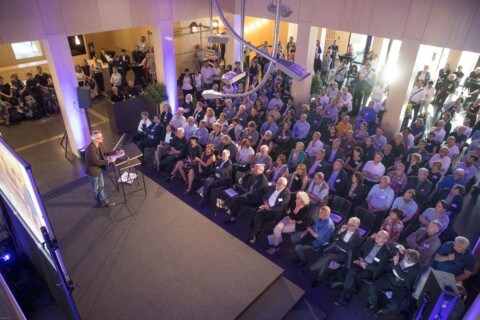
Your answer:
<point x="306" y="311"/>
<point x="275" y="302"/>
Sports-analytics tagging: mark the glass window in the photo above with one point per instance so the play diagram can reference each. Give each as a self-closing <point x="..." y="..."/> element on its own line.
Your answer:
<point x="27" y="49"/>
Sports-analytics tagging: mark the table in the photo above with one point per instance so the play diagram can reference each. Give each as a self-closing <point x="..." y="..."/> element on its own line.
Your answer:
<point x="122" y="171"/>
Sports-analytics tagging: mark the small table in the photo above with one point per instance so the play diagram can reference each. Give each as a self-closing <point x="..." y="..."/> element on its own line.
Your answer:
<point x="122" y="171"/>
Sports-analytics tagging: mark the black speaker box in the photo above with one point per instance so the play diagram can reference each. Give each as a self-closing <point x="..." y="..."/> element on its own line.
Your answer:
<point x="84" y="100"/>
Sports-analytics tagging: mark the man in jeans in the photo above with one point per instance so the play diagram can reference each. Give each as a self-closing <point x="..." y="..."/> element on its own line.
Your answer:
<point x="96" y="160"/>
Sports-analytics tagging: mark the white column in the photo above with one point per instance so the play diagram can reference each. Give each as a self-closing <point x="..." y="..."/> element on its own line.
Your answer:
<point x="304" y="55"/>
<point x="233" y="49"/>
<point x="323" y="36"/>
<point x="400" y="87"/>
<point x="165" y="61"/>
<point x="60" y="63"/>
<point x="292" y="31"/>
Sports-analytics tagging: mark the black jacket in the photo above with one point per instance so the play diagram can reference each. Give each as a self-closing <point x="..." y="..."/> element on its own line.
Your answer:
<point x="341" y="181"/>
<point x="256" y="186"/>
<point x="354" y="241"/>
<point x="422" y="190"/>
<point x="282" y="200"/>
<point x="381" y="260"/>
<point x="358" y="194"/>
<point x="321" y="167"/>
<point x="158" y="132"/>
<point x="409" y="275"/>
<point x="223" y="172"/>
<point x="328" y="152"/>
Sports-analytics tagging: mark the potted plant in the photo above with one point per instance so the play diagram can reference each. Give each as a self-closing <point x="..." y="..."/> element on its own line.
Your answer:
<point x="316" y="85"/>
<point x="157" y="93"/>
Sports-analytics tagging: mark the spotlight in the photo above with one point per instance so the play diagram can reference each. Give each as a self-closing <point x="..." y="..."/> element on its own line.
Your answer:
<point x="5" y="257"/>
<point x="77" y="40"/>
<point x="215" y="24"/>
<point x="193" y="27"/>
<point x="285" y="11"/>
<point x="219" y="38"/>
<point x="211" y="94"/>
<point x="231" y="77"/>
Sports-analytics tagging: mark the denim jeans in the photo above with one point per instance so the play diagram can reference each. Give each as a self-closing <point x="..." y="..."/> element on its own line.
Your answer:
<point x="96" y="186"/>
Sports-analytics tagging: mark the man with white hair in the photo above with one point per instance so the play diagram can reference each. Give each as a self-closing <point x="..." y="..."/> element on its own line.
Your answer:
<point x="453" y="179"/>
<point x="439" y="131"/>
<point x="453" y="150"/>
<point x="178" y="150"/>
<point x="301" y="128"/>
<point x="425" y="241"/>
<point x="456" y="258"/>
<point x="262" y="157"/>
<point x="380" y="198"/>
<point x="178" y="121"/>
<point x="422" y="186"/>
<point x="442" y="157"/>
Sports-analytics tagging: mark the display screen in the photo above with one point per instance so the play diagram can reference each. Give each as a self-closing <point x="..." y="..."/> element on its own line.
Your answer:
<point x="18" y="188"/>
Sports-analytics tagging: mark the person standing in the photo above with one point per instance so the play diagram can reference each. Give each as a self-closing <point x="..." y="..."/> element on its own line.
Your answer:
<point x="96" y="160"/>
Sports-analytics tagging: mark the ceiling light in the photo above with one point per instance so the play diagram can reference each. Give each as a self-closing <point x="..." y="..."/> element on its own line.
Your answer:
<point x="193" y="27"/>
<point x="77" y="40"/>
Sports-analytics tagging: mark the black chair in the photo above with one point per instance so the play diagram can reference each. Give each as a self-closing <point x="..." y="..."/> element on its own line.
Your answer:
<point x="339" y="209"/>
<point x="367" y="220"/>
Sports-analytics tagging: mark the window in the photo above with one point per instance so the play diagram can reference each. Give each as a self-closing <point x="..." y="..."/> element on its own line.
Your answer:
<point x="27" y="49"/>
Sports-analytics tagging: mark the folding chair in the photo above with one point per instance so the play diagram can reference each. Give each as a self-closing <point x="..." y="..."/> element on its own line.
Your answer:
<point x="339" y="209"/>
<point x="367" y="220"/>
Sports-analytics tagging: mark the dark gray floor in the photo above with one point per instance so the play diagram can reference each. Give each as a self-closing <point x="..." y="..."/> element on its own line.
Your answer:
<point x="155" y="258"/>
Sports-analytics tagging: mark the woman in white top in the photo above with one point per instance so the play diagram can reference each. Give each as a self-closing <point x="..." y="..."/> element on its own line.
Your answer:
<point x="187" y="83"/>
<point x="245" y="155"/>
<point x="314" y="145"/>
<point x="197" y="77"/>
<point x="209" y="118"/>
<point x="80" y="75"/>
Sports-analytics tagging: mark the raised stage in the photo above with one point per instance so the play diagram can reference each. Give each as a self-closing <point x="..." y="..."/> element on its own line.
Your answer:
<point x="157" y="258"/>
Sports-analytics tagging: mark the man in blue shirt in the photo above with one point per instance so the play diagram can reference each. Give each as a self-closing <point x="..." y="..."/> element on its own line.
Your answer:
<point x="315" y="236"/>
<point x="301" y="128"/>
<point x="381" y="196"/>
<point x="367" y="115"/>
<point x="269" y="125"/>
<point x="453" y="179"/>
<point x="456" y="258"/>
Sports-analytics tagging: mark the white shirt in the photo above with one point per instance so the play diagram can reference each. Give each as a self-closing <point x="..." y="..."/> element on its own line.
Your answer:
<point x="313" y="147"/>
<point x="347" y="236"/>
<point x="417" y="95"/>
<point x="453" y="151"/>
<point x="445" y="162"/>
<point x="439" y="134"/>
<point x="216" y="73"/>
<point x="409" y="141"/>
<point x="273" y="197"/>
<point x="244" y="154"/>
<point x="148" y="123"/>
<point x="207" y="75"/>
<point x="378" y="169"/>
<point x="116" y="79"/>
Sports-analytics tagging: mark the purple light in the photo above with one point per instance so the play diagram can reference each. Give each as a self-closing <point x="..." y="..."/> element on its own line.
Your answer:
<point x="169" y="63"/>
<point x="5" y="257"/>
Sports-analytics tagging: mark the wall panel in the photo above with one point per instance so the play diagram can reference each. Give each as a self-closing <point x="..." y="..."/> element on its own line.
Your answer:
<point x="389" y="18"/>
<point x="356" y="15"/>
<point x="115" y="14"/>
<point x="51" y="14"/>
<point x="81" y="16"/>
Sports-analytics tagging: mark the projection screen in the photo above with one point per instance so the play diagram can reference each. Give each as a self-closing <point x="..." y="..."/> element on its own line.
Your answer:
<point x="18" y="188"/>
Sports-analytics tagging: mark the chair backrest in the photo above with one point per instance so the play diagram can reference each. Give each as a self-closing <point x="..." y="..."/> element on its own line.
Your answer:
<point x="341" y="206"/>
<point x="367" y="219"/>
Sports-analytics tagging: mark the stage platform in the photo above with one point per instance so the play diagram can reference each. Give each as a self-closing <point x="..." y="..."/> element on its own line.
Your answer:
<point x="158" y="258"/>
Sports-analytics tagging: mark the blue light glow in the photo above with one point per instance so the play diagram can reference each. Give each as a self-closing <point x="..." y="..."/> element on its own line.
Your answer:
<point x="169" y="62"/>
<point x="4" y="258"/>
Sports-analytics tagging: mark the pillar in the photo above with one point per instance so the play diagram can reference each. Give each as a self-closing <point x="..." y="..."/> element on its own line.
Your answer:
<point x="165" y="61"/>
<point x="233" y="49"/>
<point x="323" y="36"/>
<point x="400" y="86"/>
<point x="454" y="59"/>
<point x="59" y="57"/>
<point x="306" y="40"/>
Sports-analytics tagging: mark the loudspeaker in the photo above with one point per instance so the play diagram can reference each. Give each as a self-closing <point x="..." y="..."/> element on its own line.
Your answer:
<point x="437" y="283"/>
<point x="84" y="100"/>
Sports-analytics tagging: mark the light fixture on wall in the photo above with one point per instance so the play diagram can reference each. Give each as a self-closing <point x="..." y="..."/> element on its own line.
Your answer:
<point x="215" y="25"/>
<point x="194" y="27"/>
<point x="77" y="41"/>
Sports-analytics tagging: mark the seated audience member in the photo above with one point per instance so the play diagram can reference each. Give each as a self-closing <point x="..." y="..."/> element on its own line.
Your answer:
<point x="198" y="113"/>
<point x="425" y="240"/>
<point x="295" y="220"/>
<point x="398" y="147"/>
<point x="407" y="205"/>
<point x="455" y="257"/>
<point x="143" y="125"/>
<point x="253" y="196"/>
<point x="266" y="140"/>
<point x="393" y="224"/>
<point x="164" y="146"/>
<point x="202" y="167"/>
<point x="227" y="144"/>
<point x="190" y="127"/>
<point x="184" y="165"/>
<point x="283" y="139"/>
<point x="316" y="119"/>
<point x="439" y="213"/>
<point x="221" y="178"/>
<point x="421" y="151"/>
<point x="368" y="149"/>
<point x="431" y="145"/>
<point x="274" y="207"/>
<point x="413" y="164"/>
<point x="417" y="129"/>
<point x="344" y="126"/>
<point x="178" y="148"/>
<point x="354" y="162"/>
<point x="331" y="136"/>
<point x="361" y="133"/>
<point x="399" y="278"/>
<point x="314" y="237"/>
<point x="244" y="157"/>
<point x="460" y="136"/>
<point x="132" y="91"/>
<point x="367" y="114"/>
<point x="348" y="144"/>
<point x="314" y="145"/>
<point x="355" y="190"/>
<point x="398" y="179"/>
<point x="297" y="156"/>
<point x="318" y="191"/>
<point x="269" y="125"/>
<point x="443" y="157"/>
<point x="251" y="134"/>
<point x="202" y="133"/>
<point x="408" y="139"/>
<point x="381" y="196"/>
<point x="379" y="140"/>
<point x="453" y="150"/>
<point x="301" y="128"/>
<point x="388" y="158"/>
<point x="422" y="186"/>
<point x="116" y="97"/>
<point x="166" y="114"/>
<point x="234" y="130"/>
<point x="454" y="198"/>
<point x="434" y="174"/>
<point x="453" y="179"/>
<point x="178" y="121"/>
<point x="373" y="170"/>
<point x="298" y="181"/>
<point x="153" y="135"/>
<point x="278" y="169"/>
<point x="346" y="239"/>
<point x="369" y="262"/>
<point x="334" y="152"/>
<point x="262" y="157"/>
<point x="317" y="163"/>
<point x="468" y="167"/>
<point x="336" y="177"/>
